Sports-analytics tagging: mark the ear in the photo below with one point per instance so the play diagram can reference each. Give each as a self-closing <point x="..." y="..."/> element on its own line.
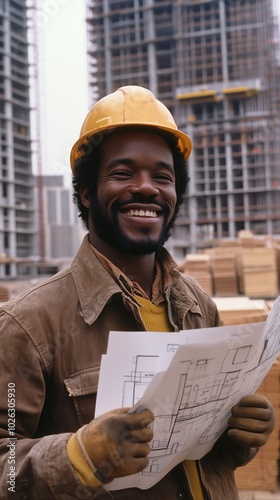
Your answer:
<point x="85" y="196"/>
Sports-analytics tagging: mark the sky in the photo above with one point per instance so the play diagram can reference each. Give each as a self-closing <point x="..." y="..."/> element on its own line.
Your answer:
<point x="63" y="80"/>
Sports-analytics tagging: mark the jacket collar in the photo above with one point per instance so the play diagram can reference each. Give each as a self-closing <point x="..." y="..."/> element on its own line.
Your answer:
<point x="95" y="286"/>
<point x="176" y="284"/>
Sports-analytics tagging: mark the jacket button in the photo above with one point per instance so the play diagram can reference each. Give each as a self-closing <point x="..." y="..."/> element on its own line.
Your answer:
<point x="181" y="496"/>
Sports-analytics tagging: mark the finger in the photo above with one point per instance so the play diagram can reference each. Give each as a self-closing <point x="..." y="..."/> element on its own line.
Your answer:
<point x="247" y="439"/>
<point x="120" y="456"/>
<point x="140" y="435"/>
<point x="129" y="465"/>
<point x="140" y="463"/>
<point x="117" y="411"/>
<point x="248" y="424"/>
<point x="121" y="423"/>
<point x="251" y="412"/>
<point x="133" y="466"/>
<point x="139" y="420"/>
<point x="134" y="450"/>
<point x="140" y="450"/>
<point x="130" y="458"/>
<point x="254" y="400"/>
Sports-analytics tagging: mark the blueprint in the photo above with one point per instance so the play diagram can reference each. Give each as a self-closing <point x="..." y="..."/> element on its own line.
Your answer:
<point x="190" y="380"/>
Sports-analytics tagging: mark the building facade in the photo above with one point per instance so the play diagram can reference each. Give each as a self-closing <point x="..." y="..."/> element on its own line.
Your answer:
<point x="17" y="228"/>
<point x="62" y="227"/>
<point x="215" y="65"/>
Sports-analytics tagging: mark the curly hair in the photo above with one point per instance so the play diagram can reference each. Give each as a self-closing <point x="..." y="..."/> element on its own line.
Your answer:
<point x="86" y="171"/>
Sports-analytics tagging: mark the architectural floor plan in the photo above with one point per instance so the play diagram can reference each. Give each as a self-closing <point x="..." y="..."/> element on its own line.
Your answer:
<point x="190" y="380"/>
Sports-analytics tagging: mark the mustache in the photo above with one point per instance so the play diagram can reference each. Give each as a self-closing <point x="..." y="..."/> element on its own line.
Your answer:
<point x="139" y="198"/>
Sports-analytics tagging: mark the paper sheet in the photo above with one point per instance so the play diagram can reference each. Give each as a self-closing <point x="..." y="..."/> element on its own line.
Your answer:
<point x="190" y="380"/>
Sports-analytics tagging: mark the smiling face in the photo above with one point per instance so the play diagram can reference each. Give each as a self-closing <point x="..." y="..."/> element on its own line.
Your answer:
<point x="135" y="199"/>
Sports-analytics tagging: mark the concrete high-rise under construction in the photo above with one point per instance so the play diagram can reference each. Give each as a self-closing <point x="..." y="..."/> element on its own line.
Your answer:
<point x="215" y="64"/>
<point x="17" y="226"/>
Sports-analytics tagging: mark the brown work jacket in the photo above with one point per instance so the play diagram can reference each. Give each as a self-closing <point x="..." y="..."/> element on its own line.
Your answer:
<point x="52" y="338"/>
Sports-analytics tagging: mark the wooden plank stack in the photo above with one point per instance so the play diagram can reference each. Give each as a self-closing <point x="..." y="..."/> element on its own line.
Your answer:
<point x="262" y="472"/>
<point x="197" y="266"/>
<point x="224" y="272"/>
<point x="241" y="310"/>
<point x="248" y="266"/>
<point x="260" y="273"/>
<point x="4" y="293"/>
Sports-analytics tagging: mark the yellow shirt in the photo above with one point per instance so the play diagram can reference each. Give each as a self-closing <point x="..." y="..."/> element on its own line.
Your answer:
<point x="155" y="319"/>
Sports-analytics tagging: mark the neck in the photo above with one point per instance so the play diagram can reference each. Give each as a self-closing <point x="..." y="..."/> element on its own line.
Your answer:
<point x="138" y="268"/>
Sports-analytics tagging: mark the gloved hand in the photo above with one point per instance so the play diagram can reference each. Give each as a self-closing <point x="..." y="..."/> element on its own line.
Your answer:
<point x="252" y="421"/>
<point x="117" y="442"/>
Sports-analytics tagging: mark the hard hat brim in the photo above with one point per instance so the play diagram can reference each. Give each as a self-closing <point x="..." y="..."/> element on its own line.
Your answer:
<point x="87" y="142"/>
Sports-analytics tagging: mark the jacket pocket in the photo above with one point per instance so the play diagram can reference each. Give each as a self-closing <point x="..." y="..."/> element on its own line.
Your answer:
<point x="82" y="387"/>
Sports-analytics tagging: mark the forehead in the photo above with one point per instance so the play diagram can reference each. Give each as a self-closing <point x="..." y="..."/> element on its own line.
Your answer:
<point x="135" y="143"/>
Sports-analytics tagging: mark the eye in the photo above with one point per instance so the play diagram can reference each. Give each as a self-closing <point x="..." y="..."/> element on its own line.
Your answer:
<point x="121" y="174"/>
<point x="164" y="177"/>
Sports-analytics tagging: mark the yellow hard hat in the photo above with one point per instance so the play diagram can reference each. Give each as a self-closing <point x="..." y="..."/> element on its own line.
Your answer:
<point x="128" y="106"/>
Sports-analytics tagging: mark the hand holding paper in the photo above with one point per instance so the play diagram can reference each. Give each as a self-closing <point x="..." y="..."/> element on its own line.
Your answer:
<point x="117" y="442"/>
<point x="252" y="421"/>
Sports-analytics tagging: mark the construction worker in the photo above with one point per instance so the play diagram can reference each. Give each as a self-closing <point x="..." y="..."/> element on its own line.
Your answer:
<point x="129" y="179"/>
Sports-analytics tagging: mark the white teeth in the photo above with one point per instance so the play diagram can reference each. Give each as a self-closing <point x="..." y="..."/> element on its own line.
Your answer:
<point x="141" y="213"/>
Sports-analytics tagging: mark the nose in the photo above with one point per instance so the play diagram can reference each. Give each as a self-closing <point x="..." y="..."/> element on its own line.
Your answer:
<point x="143" y="183"/>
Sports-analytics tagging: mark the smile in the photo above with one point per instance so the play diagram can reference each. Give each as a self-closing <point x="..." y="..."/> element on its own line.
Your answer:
<point x="141" y="213"/>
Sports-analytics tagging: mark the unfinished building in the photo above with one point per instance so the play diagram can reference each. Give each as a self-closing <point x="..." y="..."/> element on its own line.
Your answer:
<point x="215" y="65"/>
<point x="17" y="227"/>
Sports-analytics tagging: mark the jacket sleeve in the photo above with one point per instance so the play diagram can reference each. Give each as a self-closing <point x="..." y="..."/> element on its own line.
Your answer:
<point x="31" y="467"/>
<point x="233" y="454"/>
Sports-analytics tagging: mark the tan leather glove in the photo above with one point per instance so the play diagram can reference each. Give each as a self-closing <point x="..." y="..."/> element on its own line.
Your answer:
<point x="252" y="421"/>
<point x="117" y="442"/>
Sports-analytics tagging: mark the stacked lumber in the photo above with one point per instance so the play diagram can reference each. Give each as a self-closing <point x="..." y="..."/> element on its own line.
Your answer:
<point x="224" y="272"/>
<point x="248" y="265"/>
<point x="262" y="472"/>
<point x="241" y="310"/>
<point x="197" y="266"/>
<point x="231" y="244"/>
<point x="4" y="293"/>
<point x="248" y="239"/>
<point x="260" y="273"/>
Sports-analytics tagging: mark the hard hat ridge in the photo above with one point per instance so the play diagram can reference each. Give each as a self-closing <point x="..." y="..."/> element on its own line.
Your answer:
<point x="131" y="105"/>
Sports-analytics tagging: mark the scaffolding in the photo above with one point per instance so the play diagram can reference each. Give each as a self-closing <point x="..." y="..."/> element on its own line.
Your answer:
<point x="215" y="64"/>
<point x="17" y="228"/>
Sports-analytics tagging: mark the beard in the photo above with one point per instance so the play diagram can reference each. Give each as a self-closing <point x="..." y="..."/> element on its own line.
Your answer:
<point x="109" y="230"/>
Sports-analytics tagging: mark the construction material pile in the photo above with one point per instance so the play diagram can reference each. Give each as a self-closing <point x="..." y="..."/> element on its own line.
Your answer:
<point x="198" y="266"/>
<point x="247" y="266"/>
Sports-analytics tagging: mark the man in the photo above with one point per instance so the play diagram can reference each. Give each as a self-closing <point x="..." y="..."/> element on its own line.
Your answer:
<point x="129" y="177"/>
